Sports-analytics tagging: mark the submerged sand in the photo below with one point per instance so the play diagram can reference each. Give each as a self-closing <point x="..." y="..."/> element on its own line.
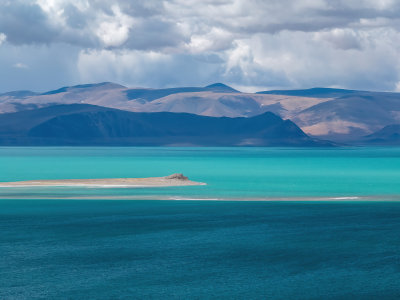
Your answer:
<point x="171" y="180"/>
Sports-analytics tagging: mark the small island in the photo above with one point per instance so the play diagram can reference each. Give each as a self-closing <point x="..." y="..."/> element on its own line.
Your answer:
<point x="171" y="180"/>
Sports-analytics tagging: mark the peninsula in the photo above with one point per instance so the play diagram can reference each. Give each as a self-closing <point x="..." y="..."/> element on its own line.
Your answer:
<point x="171" y="180"/>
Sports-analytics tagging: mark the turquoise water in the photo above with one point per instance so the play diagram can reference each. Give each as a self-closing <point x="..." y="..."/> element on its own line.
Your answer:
<point x="230" y="173"/>
<point x="53" y="247"/>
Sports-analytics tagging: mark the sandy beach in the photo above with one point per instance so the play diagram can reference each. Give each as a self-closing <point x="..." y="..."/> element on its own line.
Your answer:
<point x="171" y="180"/>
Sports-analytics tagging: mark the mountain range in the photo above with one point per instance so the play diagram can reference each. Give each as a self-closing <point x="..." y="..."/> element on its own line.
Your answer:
<point x="339" y="115"/>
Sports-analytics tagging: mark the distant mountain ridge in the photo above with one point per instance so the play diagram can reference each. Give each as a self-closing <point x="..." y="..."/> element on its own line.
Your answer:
<point x="153" y="94"/>
<point x="343" y="116"/>
<point x="82" y="124"/>
<point x="313" y="92"/>
<point x="107" y="85"/>
<point x="19" y="94"/>
<point x="387" y="136"/>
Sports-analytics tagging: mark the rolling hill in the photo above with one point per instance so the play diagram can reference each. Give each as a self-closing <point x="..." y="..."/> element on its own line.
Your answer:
<point x="82" y="124"/>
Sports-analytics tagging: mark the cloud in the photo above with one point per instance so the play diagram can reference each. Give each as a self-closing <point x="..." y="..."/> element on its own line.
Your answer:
<point x="3" y="38"/>
<point x="344" y="39"/>
<point x="50" y="67"/>
<point x="143" y="68"/>
<point x="216" y="39"/>
<point x="113" y="30"/>
<point x="266" y="44"/>
<point x="25" y="23"/>
<point x="183" y="25"/>
<point x="21" y="66"/>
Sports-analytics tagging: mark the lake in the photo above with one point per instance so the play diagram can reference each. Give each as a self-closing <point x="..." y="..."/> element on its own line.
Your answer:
<point x="257" y="236"/>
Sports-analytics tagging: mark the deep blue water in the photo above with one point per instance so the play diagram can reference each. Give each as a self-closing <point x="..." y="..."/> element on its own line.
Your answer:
<point x="199" y="250"/>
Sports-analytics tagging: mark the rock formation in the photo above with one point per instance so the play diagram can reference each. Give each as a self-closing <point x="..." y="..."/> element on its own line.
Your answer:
<point x="178" y="176"/>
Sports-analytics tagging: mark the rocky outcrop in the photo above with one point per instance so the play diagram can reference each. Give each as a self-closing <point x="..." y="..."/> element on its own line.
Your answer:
<point x="178" y="176"/>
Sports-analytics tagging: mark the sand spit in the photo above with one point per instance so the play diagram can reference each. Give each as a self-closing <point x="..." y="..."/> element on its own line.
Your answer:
<point x="171" y="180"/>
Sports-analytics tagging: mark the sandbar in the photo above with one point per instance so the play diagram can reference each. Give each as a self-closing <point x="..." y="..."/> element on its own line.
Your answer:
<point x="171" y="180"/>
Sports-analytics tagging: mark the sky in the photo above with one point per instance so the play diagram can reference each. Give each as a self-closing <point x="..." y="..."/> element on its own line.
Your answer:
<point x="251" y="45"/>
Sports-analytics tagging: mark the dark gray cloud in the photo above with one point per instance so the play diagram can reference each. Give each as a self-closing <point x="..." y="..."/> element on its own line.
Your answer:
<point x="25" y="23"/>
<point x="74" y="18"/>
<point x="263" y="44"/>
<point x="172" y="23"/>
<point x="154" y="34"/>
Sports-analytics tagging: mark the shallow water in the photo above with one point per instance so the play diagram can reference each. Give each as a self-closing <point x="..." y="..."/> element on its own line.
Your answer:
<point x="230" y="173"/>
<point x="53" y="248"/>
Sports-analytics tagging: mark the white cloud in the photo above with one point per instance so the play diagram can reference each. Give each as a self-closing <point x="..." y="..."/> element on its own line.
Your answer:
<point x="20" y="66"/>
<point x="397" y="88"/>
<point x="3" y="38"/>
<point x="216" y="39"/>
<point x="240" y="57"/>
<point x="113" y="30"/>
<point x="300" y="60"/>
<point x="339" y="38"/>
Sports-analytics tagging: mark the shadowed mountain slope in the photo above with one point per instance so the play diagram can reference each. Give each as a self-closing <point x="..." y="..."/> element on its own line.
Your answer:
<point x="78" y="88"/>
<point x="19" y="94"/>
<point x="389" y="135"/>
<point x="221" y="88"/>
<point x="93" y="125"/>
<point x="314" y="92"/>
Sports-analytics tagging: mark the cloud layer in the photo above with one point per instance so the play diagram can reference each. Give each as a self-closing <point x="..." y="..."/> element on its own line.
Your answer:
<point x="246" y="43"/>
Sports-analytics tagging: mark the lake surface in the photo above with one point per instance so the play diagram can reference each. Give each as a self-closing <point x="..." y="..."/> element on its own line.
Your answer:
<point x="88" y="243"/>
<point x="230" y="173"/>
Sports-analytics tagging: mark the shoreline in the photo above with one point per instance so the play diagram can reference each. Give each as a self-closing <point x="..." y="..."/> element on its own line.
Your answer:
<point x="167" y="181"/>
<point x="383" y="198"/>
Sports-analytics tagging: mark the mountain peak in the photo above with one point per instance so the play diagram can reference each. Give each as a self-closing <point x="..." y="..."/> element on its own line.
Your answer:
<point x="19" y="94"/>
<point x="101" y="85"/>
<point x="221" y="88"/>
